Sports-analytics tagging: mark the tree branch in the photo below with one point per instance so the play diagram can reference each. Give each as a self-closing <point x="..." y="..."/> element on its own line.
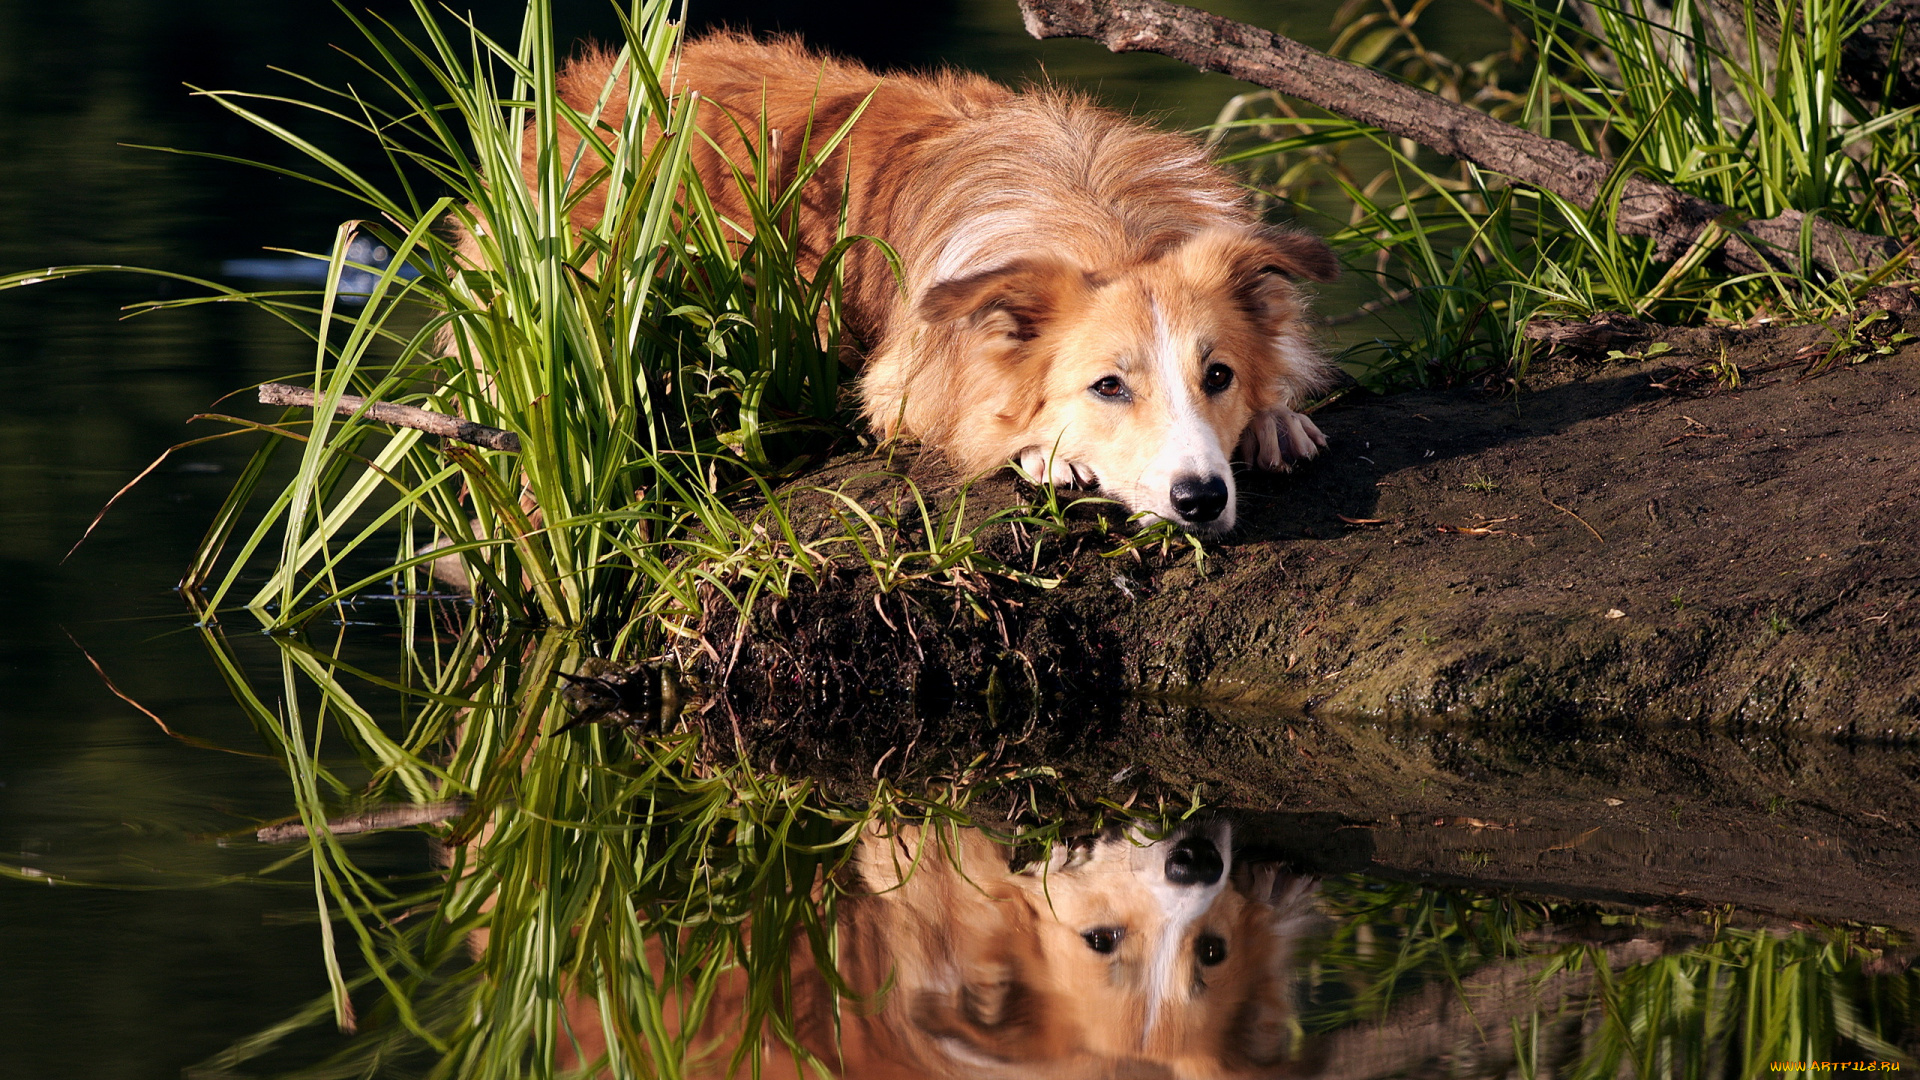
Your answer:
<point x="1671" y="217"/>
<point x="406" y="416"/>
<point x="390" y="816"/>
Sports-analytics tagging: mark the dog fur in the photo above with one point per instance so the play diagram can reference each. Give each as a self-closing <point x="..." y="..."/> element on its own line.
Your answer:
<point x="1084" y="295"/>
<point x="960" y="967"/>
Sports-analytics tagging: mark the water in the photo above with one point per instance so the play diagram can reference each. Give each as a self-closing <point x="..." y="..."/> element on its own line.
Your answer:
<point x="150" y="963"/>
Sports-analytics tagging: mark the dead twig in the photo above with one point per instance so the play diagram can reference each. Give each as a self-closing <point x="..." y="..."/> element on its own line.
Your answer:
<point x="395" y="816"/>
<point x="1574" y="516"/>
<point x="406" y="416"/>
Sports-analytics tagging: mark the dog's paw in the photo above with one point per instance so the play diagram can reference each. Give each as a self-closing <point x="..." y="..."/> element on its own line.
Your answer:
<point x="1042" y="467"/>
<point x="1281" y="438"/>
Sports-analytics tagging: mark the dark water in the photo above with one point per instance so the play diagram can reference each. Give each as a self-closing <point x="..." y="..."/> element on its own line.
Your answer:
<point x="152" y="964"/>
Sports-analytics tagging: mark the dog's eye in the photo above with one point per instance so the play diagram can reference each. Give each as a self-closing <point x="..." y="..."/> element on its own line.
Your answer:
<point x="1210" y="949"/>
<point x="1103" y="939"/>
<point x="1218" y="377"/>
<point x="1110" y="387"/>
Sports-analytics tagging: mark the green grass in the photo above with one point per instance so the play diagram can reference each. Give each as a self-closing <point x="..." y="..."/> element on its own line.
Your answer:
<point x="658" y="366"/>
<point x="1463" y="261"/>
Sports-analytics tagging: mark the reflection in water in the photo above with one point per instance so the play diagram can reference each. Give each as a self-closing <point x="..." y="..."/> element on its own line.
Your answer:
<point x="627" y="895"/>
<point x="1122" y="956"/>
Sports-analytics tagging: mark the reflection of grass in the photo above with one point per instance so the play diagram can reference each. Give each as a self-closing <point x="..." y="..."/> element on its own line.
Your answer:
<point x="1746" y="999"/>
<point x="1727" y="1003"/>
<point x="641" y="876"/>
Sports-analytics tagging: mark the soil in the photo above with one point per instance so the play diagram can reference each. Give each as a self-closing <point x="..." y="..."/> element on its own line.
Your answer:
<point x="1641" y="632"/>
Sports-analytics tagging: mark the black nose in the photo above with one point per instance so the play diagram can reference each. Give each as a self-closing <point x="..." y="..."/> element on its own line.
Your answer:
<point x="1199" y="499"/>
<point x="1194" y="861"/>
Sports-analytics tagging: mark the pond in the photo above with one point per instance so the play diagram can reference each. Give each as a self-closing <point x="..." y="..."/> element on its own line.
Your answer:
<point x="146" y="930"/>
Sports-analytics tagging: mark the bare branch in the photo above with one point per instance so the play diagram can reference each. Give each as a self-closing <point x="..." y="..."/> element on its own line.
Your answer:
<point x="1671" y="217"/>
<point x="406" y="416"/>
<point x="393" y="816"/>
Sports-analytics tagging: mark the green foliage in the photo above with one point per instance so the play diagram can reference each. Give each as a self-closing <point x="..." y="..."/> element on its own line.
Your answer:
<point x="655" y="365"/>
<point x="1754" y="118"/>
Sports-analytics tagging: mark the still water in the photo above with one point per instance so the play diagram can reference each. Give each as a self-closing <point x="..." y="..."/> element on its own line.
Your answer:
<point x="160" y="948"/>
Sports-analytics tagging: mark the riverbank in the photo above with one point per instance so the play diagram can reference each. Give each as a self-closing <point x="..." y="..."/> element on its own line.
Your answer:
<point x="1624" y="540"/>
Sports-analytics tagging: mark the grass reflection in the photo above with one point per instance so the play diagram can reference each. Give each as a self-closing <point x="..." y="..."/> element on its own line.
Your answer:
<point x="602" y="888"/>
<point x="1500" y="986"/>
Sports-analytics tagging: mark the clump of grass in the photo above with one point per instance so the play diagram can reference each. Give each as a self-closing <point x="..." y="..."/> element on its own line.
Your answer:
<point x="656" y="365"/>
<point x="651" y="362"/>
<point x="1754" y="118"/>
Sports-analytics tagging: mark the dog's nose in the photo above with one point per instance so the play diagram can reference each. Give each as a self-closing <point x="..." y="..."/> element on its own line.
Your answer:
<point x="1194" y="861"/>
<point x="1199" y="499"/>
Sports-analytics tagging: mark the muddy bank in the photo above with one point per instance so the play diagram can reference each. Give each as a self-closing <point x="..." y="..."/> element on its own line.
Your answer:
<point x="1625" y="542"/>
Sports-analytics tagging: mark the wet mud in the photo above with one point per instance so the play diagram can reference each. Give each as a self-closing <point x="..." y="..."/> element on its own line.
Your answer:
<point x="1640" y="634"/>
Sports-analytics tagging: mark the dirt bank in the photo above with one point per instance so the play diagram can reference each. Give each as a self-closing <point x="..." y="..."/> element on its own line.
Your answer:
<point x="1630" y="540"/>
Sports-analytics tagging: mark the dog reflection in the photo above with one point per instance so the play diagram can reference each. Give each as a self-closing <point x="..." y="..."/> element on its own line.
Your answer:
<point x="1122" y="958"/>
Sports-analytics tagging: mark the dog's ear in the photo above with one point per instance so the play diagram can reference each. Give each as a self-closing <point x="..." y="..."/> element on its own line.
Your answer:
<point x="1018" y="298"/>
<point x="1280" y="913"/>
<point x="1265" y="266"/>
<point x="1298" y="255"/>
<point x="996" y="1019"/>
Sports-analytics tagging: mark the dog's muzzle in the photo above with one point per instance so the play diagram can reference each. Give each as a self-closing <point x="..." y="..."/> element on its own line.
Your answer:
<point x="1199" y="499"/>
<point x="1194" y="861"/>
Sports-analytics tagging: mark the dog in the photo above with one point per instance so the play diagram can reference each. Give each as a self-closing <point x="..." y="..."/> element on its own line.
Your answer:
<point x="1084" y="295"/>
<point x="1120" y="957"/>
<point x="1125" y="957"/>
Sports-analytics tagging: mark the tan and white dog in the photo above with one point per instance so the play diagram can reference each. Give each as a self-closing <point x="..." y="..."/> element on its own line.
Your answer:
<point x="1127" y="957"/>
<point x="1120" y="958"/>
<point x="1084" y="295"/>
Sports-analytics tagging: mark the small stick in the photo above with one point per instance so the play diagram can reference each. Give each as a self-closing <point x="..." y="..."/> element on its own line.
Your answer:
<point x="406" y="416"/>
<point x="397" y="816"/>
<point x="1574" y="516"/>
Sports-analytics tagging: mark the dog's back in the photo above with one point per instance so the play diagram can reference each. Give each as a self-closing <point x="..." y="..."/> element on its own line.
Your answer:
<point x="954" y="170"/>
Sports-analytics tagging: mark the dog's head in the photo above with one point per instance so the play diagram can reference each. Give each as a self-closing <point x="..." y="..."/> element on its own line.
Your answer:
<point x="1169" y="956"/>
<point x="1129" y="956"/>
<point x="1141" y="377"/>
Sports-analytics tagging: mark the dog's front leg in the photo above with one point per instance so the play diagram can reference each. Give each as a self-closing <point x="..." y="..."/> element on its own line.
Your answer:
<point x="1280" y="438"/>
<point x="1046" y="467"/>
